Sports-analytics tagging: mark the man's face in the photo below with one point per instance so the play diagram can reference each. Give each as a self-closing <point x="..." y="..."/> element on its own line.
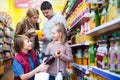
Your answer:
<point x="48" y="13"/>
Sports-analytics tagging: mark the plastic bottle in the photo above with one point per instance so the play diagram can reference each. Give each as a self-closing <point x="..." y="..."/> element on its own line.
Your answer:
<point x="59" y="76"/>
<point x="73" y="38"/>
<point x="112" y="52"/>
<point x="39" y="33"/>
<point x="78" y="36"/>
<point x="103" y="14"/>
<point x="85" y="57"/>
<point x="97" y="17"/>
<point x="118" y="7"/>
<point x="117" y="70"/>
<point x="50" y="60"/>
<point x="92" y="54"/>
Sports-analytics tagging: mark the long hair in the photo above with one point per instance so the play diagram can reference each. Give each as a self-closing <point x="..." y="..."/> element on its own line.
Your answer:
<point x="31" y="12"/>
<point x="59" y="27"/>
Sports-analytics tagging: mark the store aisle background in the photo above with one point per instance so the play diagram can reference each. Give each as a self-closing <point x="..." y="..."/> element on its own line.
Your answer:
<point x="8" y="75"/>
<point x="17" y="14"/>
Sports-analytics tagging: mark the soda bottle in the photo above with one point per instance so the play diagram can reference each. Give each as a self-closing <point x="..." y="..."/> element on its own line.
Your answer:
<point x="51" y="58"/>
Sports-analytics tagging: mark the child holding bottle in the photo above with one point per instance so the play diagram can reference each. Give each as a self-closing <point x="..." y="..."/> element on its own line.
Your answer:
<point x="25" y="64"/>
<point x="59" y="35"/>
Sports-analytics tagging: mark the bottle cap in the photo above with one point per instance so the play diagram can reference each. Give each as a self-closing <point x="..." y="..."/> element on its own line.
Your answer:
<point x="58" y="52"/>
<point x="60" y="71"/>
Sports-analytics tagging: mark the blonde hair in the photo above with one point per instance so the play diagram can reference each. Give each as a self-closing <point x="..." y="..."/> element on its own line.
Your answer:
<point x="31" y="12"/>
<point x="59" y="27"/>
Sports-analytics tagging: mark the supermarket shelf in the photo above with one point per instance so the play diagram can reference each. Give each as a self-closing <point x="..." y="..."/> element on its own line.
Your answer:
<point x="80" y="44"/>
<point x="69" y="71"/>
<point x="8" y="42"/>
<point x="6" y="59"/>
<point x="79" y="67"/>
<point x="76" y="45"/>
<point x="109" y="26"/>
<point x="80" y="20"/>
<point x="66" y="5"/>
<point x="105" y="73"/>
<point x="73" y="8"/>
<point x="95" y="2"/>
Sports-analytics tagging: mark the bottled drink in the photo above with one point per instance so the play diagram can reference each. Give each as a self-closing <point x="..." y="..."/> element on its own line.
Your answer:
<point x="39" y="33"/>
<point x="51" y="58"/>
<point x="92" y="54"/>
<point x="59" y="76"/>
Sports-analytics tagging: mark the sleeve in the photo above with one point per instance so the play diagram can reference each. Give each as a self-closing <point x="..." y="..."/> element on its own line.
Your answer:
<point x="17" y="68"/>
<point x="47" y="50"/>
<point x="62" y="19"/>
<point x="49" y="37"/>
<point x="38" y="62"/>
<point x="18" y="29"/>
<point x="68" y="55"/>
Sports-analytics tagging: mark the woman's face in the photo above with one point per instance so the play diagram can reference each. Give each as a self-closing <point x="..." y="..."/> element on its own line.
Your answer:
<point x="34" y="19"/>
<point x="27" y="45"/>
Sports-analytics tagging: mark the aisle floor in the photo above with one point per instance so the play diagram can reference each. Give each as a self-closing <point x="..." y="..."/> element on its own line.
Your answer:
<point x="8" y="75"/>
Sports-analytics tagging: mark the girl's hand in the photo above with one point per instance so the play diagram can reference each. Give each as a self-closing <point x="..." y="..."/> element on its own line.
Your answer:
<point x="58" y="54"/>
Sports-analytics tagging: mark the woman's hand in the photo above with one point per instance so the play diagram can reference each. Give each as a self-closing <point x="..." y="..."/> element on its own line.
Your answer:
<point x="31" y="31"/>
<point x="42" y="67"/>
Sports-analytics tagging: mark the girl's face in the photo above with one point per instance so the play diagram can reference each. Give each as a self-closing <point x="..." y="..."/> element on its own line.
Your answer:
<point x="56" y="35"/>
<point x="27" y="45"/>
<point x="34" y="19"/>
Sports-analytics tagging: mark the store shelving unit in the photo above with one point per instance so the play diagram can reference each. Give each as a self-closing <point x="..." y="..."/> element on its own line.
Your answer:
<point x="73" y="8"/>
<point x="6" y="43"/>
<point x="105" y="73"/>
<point x="80" y="20"/>
<point x="109" y="26"/>
<point x="80" y="44"/>
<point x="69" y="71"/>
<point x="79" y="67"/>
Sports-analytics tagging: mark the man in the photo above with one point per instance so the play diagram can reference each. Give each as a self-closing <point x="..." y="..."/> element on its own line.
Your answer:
<point x="51" y="20"/>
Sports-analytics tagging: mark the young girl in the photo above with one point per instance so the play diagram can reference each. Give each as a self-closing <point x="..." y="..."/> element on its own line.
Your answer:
<point x="59" y="43"/>
<point x="25" y="62"/>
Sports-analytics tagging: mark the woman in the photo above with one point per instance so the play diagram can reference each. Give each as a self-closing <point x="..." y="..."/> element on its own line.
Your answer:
<point x="28" y="26"/>
<point x="25" y="64"/>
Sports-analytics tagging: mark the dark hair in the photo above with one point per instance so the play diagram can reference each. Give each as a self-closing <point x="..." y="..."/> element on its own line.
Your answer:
<point x="46" y="5"/>
<point x="19" y="42"/>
